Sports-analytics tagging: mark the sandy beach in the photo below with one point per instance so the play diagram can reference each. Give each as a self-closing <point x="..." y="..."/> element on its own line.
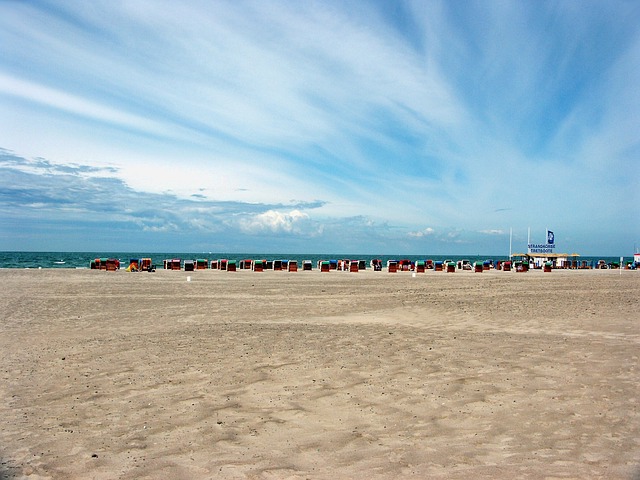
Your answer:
<point x="116" y="375"/>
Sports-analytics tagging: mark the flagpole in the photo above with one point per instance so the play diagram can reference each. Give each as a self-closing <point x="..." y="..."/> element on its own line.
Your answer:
<point x="510" y="238"/>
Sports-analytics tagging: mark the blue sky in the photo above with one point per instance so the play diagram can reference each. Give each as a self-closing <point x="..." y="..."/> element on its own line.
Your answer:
<point x="333" y="126"/>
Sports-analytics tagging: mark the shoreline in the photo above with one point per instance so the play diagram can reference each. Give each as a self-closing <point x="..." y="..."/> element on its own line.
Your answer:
<point x="316" y="270"/>
<point x="74" y="260"/>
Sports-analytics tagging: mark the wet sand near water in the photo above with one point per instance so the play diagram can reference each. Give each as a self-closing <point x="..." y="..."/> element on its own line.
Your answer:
<point x="116" y="375"/>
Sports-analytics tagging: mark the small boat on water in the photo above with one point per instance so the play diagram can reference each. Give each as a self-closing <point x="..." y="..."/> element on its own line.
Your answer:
<point x="60" y="262"/>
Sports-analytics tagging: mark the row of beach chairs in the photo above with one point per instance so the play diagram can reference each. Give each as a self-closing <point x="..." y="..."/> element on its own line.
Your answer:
<point x="235" y="265"/>
<point x="344" y="265"/>
<point x="348" y="265"/>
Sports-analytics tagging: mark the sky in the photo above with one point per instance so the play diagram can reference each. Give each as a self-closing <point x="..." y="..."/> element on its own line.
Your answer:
<point x="346" y="126"/>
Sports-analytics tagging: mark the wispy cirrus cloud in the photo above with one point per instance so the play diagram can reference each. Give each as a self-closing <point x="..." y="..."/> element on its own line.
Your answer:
<point x="76" y="105"/>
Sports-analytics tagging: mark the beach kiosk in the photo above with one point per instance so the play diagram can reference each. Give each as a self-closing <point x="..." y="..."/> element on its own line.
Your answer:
<point x="539" y="260"/>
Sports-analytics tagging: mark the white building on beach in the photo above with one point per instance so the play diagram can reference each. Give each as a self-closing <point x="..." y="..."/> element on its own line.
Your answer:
<point x="538" y="254"/>
<point x="559" y="260"/>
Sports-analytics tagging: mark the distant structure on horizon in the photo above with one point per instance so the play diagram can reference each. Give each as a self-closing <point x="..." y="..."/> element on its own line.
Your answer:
<point x="539" y="254"/>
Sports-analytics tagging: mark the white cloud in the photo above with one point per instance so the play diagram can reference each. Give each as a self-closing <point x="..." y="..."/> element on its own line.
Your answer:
<point x="274" y="221"/>
<point x="427" y="232"/>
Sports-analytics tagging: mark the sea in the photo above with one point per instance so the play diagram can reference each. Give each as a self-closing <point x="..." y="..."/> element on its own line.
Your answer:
<point x="83" y="259"/>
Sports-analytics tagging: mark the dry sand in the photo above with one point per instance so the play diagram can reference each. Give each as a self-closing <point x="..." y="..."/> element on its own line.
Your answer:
<point x="319" y="375"/>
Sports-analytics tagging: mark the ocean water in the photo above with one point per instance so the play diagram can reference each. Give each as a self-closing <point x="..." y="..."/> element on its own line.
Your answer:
<point x="83" y="259"/>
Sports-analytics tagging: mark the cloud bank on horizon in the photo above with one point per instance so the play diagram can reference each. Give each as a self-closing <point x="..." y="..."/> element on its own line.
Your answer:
<point x="355" y="127"/>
